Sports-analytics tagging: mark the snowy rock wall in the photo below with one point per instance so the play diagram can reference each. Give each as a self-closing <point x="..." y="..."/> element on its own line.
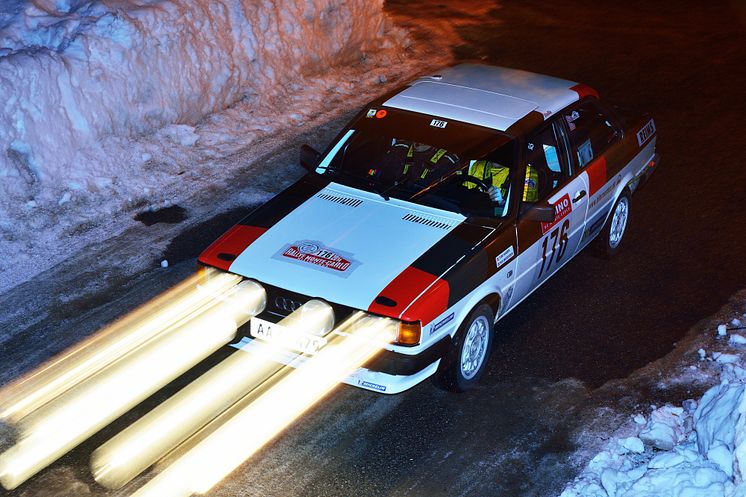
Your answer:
<point x="72" y="72"/>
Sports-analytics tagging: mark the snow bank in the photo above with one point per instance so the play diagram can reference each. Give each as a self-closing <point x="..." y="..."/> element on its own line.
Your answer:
<point x="694" y="450"/>
<point x="106" y="107"/>
<point x="73" y="71"/>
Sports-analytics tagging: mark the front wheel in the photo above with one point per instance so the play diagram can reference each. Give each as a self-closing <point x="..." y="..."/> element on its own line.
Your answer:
<point x="611" y="236"/>
<point x="466" y="361"/>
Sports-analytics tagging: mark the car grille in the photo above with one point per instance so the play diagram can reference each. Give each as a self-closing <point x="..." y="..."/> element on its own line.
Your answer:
<point x="286" y="304"/>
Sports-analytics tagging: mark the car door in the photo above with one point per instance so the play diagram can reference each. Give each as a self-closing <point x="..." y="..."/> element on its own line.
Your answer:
<point x="544" y="246"/>
<point x="592" y="135"/>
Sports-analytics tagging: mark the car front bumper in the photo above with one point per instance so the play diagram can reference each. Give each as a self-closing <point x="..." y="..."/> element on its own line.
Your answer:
<point x="389" y="372"/>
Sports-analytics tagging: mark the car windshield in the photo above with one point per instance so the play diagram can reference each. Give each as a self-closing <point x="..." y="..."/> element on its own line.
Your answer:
<point x="431" y="161"/>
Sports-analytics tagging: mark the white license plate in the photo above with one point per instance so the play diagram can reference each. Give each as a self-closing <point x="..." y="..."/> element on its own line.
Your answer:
<point x="286" y="337"/>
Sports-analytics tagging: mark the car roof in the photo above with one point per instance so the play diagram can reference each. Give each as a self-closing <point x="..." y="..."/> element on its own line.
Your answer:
<point x="489" y="96"/>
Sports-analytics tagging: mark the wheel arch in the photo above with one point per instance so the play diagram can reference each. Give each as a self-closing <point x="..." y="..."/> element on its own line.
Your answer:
<point x="494" y="301"/>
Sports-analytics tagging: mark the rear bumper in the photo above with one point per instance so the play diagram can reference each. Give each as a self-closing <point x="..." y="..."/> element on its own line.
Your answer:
<point x="647" y="171"/>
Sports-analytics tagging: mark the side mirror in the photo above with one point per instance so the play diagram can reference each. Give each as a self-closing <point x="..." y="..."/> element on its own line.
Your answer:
<point x="543" y="213"/>
<point x="309" y="157"/>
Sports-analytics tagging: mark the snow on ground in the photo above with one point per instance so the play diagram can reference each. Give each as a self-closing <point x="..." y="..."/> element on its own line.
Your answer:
<point x="107" y="105"/>
<point x="694" y="449"/>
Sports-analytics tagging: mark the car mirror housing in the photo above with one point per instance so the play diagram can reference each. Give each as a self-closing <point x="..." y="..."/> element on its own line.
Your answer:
<point x="309" y="157"/>
<point x="543" y="213"/>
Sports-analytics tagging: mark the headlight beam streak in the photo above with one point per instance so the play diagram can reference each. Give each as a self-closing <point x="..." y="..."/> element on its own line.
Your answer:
<point x="62" y="423"/>
<point x="226" y="448"/>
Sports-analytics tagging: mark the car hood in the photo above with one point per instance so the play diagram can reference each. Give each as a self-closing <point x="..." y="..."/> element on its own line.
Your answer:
<point x="344" y="245"/>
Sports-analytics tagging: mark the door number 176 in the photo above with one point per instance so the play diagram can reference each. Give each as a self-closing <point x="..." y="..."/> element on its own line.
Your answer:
<point x="556" y="235"/>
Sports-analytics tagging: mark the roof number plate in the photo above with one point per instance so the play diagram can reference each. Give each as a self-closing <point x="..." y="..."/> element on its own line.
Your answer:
<point x="438" y="123"/>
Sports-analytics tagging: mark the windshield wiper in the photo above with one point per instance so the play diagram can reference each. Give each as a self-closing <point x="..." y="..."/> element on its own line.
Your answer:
<point x="400" y="181"/>
<point x="372" y="184"/>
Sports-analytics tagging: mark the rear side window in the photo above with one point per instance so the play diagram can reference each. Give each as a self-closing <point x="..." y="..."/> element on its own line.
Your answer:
<point x="591" y="131"/>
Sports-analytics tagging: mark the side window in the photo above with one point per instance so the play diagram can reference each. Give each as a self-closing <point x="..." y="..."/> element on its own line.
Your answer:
<point x="546" y="165"/>
<point x="591" y="132"/>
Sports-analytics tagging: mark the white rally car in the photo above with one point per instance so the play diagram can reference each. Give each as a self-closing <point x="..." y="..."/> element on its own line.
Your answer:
<point x="442" y="206"/>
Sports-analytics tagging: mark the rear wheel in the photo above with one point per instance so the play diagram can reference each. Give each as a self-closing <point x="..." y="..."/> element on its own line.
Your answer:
<point x="612" y="235"/>
<point x="466" y="361"/>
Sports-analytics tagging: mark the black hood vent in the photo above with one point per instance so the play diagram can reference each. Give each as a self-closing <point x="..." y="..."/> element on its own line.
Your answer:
<point x="427" y="221"/>
<point x="340" y="199"/>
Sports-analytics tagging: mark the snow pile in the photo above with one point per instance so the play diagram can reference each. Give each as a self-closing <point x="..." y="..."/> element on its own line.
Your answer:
<point x="697" y="449"/>
<point x="107" y="106"/>
<point x="74" y="71"/>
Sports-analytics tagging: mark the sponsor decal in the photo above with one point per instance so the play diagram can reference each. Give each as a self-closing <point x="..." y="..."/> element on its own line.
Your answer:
<point x="374" y="386"/>
<point x="504" y="256"/>
<point x="646" y="132"/>
<point x="316" y="255"/>
<point x="508" y="294"/>
<point x="604" y="193"/>
<point x="381" y="114"/>
<point x="562" y="209"/>
<point x="371" y="113"/>
<point x="574" y="116"/>
<point x="585" y="152"/>
<point x="441" y="323"/>
<point x="437" y="123"/>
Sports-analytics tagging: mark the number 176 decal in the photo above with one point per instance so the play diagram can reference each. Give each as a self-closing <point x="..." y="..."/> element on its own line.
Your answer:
<point x="558" y="236"/>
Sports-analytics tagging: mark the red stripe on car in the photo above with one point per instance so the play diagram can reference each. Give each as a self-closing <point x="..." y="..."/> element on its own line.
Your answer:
<point x="596" y="175"/>
<point x="225" y="249"/>
<point x="584" y="90"/>
<point x="403" y="291"/>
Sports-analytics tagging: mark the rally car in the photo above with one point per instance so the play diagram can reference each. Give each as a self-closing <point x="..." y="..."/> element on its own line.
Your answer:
<point x="442" y="206"/>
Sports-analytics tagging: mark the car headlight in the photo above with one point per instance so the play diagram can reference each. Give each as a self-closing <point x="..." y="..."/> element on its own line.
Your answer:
<point x="407" y="333"/>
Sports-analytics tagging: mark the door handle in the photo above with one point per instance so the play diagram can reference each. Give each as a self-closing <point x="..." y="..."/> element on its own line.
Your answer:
<point x="578" y="196"/>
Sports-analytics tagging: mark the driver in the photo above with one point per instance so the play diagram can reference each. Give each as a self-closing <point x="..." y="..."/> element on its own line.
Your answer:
<point x="497" y="176"/>
<point x="417" y="161"/>
<point x="422" y="159"/>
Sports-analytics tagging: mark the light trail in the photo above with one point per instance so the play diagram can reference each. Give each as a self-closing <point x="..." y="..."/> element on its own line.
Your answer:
<point x="35" y="389"/>
<point x="232" y="443"/>
<point x="65" y="421"/>
<point x="150" y="438"/>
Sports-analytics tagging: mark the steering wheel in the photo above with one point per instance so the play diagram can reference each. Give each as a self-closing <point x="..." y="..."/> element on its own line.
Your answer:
<point x="464" y="178"/>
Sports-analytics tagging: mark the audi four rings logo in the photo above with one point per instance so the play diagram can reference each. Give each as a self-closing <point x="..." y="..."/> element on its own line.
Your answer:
<point x="287" y="304"/>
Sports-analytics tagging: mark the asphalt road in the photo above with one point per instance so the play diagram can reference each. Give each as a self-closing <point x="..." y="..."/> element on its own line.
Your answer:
<point x="593" y="322"/>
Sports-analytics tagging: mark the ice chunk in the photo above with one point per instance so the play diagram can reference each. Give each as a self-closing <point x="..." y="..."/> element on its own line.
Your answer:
<point x="609" y="480"/>
<point x="633" y="444"/>
<point x="659" y="435"/>
<point x="736" y="340"/>
<point x="702" y="354"/>
<point x="722" y="358"/>
<point x="666" y="460"/>
<point x="722" y="330"/>
<point x="721" y="455"/>
<point x="683" y="480"/>
<point x="715" y="418"/>
<point x="164" y="263"/>
<point x="689" y="406"/>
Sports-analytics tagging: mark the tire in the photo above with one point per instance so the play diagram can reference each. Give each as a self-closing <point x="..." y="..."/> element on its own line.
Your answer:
<point x="466" y="360"/>
<point x="612" y="236"/>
